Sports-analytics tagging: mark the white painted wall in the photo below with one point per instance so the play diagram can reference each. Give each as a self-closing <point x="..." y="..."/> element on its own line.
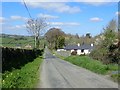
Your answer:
<point x="86" y="51"/>
<point x="78" y="52"/>
<point x="72" y="50"/>
<point x="81" y="53"/>
<point x="61" y="50"/>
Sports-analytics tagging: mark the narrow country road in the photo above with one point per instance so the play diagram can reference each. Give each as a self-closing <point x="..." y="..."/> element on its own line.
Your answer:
<point x="57" y="73"/>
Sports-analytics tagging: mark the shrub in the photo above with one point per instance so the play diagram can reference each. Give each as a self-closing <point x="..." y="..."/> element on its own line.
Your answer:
<point x="74" y="52"/>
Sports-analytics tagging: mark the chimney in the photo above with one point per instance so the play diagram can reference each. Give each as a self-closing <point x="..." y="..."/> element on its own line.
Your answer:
<point x="78" y="44"/>
<point x="92" y="45"/>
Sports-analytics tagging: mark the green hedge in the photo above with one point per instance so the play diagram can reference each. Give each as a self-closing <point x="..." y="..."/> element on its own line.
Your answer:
<point x="26" y="77"/>
<point x="16" y="58"/>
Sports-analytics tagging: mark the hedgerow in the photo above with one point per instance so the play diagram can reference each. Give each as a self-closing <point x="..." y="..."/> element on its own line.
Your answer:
<point x="16" y="58"/>
<point x="26" y="77"/>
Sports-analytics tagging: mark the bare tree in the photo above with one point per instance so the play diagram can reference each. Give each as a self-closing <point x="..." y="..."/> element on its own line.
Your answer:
<point x="36" y="27"/>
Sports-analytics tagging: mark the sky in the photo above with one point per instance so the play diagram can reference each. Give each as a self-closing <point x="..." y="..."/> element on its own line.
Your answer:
<point x="71" y="17"/>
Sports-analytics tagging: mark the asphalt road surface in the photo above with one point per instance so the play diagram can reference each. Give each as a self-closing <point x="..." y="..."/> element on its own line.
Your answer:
<point x="57" y="73"/>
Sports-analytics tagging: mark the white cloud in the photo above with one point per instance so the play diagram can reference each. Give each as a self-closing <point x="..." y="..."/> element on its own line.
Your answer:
<point x="72" y="0"/>
<point x="117" y="13"/>
<point x="61" y="1"/>
<point x="18" y="18"/>
<point x="57" y="7"/>
<point x="96" y="3"/>
<point x="2" y="20"/>
<point x="15" y="27"/>
<point x="64" y="23"/>
<point x="49" y="0"/>
<point x="47" y="16"/>
<point x="95" y="19"/>
<point x="97" y="0"/>
<point x="56" y="27"/>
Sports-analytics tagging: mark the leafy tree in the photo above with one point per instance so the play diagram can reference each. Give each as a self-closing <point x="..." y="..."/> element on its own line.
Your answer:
<point x="55" y="38"/>
<point x="109" y="37"/>
<point x="61" y="41"/>
<point x="75" y="39"/>
<point x="107" y="51"/>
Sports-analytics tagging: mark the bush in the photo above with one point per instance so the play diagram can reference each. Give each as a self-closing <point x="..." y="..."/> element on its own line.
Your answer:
<point x="107" y="55"/>
<point x="114" y="53"/>
<point x="101" y="54"/>
<point x="74" y="52"/>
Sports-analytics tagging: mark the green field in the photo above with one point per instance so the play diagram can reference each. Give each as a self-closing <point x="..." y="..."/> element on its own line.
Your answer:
<point x="15" y="41"/>
<point x="26" y="77"/>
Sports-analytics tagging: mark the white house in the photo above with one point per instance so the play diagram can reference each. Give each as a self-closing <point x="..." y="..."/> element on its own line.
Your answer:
<point x="81" y="49"/>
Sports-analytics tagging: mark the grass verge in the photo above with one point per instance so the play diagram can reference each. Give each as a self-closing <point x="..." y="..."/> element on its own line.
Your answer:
<point x="26" y="77"/>
<point x="59" y="56"/>
<point x="95" y="66"/>
<point x="88" y="63"/>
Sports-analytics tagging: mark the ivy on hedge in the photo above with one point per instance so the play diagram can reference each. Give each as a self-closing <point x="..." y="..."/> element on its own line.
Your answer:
<point x="16" y="58"/>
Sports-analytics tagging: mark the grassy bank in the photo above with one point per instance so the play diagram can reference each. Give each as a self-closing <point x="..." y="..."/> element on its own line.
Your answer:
<point x="90" y="64"/>
<point x="26" y="77"/>
<point x="95" y="66"/>
<point x="57" y="55"/>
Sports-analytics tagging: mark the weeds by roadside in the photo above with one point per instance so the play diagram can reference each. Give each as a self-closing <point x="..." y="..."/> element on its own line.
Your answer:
<point x="88" y="63"/>
<point x="93" y="65"/>
<point x="26" y="77"/>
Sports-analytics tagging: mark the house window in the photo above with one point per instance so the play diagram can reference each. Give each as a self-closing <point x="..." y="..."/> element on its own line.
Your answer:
<point x="75" y="49"/>
<point x="82" y="50"/>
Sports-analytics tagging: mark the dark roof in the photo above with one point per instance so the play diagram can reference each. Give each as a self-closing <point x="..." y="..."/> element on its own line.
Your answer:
<point x="84" y="46"/>
<point x="70" y="47"/>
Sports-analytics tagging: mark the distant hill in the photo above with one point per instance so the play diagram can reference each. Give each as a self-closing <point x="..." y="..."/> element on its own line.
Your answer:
<point x="14" y="36"/>
<point x="17" y="41"/>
